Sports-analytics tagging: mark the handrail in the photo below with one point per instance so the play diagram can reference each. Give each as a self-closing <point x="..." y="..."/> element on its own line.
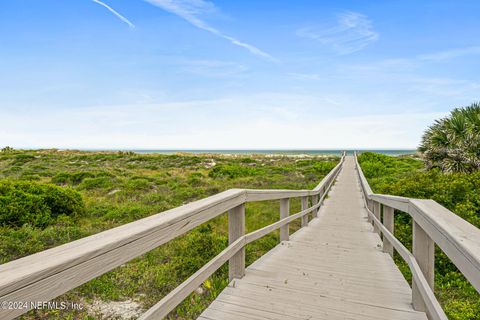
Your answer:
<point x="45" y="275"/>
<point x="434" y="309"/>
<point x="170" y="301"/>
<point x="433" y="224"/>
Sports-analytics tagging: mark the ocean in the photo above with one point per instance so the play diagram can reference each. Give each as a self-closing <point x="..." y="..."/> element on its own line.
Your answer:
<point x="279" y="151"/>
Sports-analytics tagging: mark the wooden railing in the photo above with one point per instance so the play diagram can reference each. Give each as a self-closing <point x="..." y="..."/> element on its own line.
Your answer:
<point x="48" y="274"/>
<point x="432" y="224"/>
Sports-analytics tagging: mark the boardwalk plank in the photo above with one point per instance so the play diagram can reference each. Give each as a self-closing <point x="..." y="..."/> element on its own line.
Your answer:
<point x="334" y="268"/>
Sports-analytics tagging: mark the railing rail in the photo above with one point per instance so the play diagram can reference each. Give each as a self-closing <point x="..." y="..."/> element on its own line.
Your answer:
<point x="50" y="273"/>
<point x="432" y="224"/>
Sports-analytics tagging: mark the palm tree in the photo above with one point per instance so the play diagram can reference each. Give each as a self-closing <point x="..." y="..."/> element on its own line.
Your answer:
<point x="453" y="143"/>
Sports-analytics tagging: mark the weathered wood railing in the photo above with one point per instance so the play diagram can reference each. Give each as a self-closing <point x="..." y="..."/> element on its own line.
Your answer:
<point x="48" y="274"/>
<point x="432" y="224"/>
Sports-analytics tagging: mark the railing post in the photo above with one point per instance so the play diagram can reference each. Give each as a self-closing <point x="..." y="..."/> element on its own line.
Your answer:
<point x="314" y="202"/>
<point x="424" y="252"/>
<point x="376" y="212"/>
<point x="304" y="207"/>
<point x="284" y="213"/>
<point x="236" y="229"/>
<point x="370" y="207"/>
<point x="388" y="222"/>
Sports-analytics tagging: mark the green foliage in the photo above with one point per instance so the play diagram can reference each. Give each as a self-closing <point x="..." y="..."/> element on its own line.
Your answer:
<point x="453" y="143"/>
<point x="7" y="149"/>
<point x="232" y="171"/>
<point x="315" y="167"/>
<point x="197" y="249"/>
<point x="21" y="159"/>
<point x="74" y="178"/>
<point x="37" y="204"/>
<point x="120" y="187"/>
<point x="97" y="183"/>
<point x="18" y="242"/>
<point x="459" y="192"/>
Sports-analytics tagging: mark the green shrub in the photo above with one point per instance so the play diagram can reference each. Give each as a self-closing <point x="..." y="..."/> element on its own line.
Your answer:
<point x="126" y="213"/>
<point x="37" y="204"/>
<point x="138" y="184"/>
<point x="96" y="183"/>
<point x="7" y="149"/>
<point x="75" y="178"/>
<point x="71" y="178"/>
<point x="248" y="160"/>
<point x="198" y="247"/>
<point x="459" y="192"/>
<point x="320" y="167"/>
<point x="22" y="158"/>
<point x="232" y="171"/>
<point x="453" y="143"/>
<point x="196" y="179"/>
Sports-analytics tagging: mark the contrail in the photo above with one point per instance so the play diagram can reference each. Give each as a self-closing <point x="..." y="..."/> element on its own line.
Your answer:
<point x="118" y="15"/>
<point x="191" y="10"/>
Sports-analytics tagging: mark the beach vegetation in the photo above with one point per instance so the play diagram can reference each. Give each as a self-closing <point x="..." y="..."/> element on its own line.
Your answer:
<point x="452" y="144"/>
<point x="53" y="197"/>
<point x="459" y="192"/>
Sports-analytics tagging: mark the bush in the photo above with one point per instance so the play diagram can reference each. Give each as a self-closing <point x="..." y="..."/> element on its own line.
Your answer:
<point x="37" y="204"/>
<point x="7" y="149"/>
<point x="459" y="192"/>
<point x="21" y="159"/>
<point x="71" y="178"/>
<point x="320" y="167"/>
<point x="453" y="143"/>
<point x="75" y="178"/>
<point x="232" y="171"/>
<point x="96" y="183"/>
<point x="197" y="247"/>
<point x="138" y="184"/>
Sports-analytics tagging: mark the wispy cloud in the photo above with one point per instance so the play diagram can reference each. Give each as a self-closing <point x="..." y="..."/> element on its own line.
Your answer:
<point x="260" y="126"/>
<point x="353" y="32"/>
<point x="451" y="54"/>
<point x="192" y="10"/>
<point x="115" y="13"/>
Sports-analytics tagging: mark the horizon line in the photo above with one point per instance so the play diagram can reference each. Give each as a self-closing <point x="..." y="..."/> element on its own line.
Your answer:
<point x="211" y="149"/>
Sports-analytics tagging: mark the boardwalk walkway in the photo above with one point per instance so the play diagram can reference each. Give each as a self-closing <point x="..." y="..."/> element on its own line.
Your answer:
<point x="332" y="269"/>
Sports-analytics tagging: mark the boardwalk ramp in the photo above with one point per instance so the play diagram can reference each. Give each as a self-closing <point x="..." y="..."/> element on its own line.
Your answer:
<point x="338" y="265"/>
<point x="333" y="269"/>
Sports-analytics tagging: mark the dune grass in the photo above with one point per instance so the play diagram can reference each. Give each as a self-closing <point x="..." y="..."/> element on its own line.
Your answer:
<point x="121" y="187"/>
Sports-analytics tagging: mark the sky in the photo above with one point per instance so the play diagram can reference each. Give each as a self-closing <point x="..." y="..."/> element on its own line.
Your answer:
<point x="197" y="74"/>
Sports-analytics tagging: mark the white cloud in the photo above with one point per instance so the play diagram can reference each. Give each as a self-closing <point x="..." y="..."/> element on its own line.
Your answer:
<point x="261" y="121"/>
<point x="192" y="10"/>
<point x="114" y="12"/>
<point x="353" y="32"/>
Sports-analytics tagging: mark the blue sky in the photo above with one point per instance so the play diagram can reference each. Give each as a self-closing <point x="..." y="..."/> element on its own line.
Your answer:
<point x="233" y="74"/>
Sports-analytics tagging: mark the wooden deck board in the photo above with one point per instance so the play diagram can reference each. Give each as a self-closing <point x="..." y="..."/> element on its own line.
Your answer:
<point x="332" y="269"/>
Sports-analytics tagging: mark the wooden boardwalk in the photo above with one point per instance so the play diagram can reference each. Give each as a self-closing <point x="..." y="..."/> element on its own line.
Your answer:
<point x="332" y="269"/>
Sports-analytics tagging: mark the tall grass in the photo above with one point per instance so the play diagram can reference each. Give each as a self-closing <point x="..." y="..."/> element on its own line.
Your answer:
<point x="117" y="188"/>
